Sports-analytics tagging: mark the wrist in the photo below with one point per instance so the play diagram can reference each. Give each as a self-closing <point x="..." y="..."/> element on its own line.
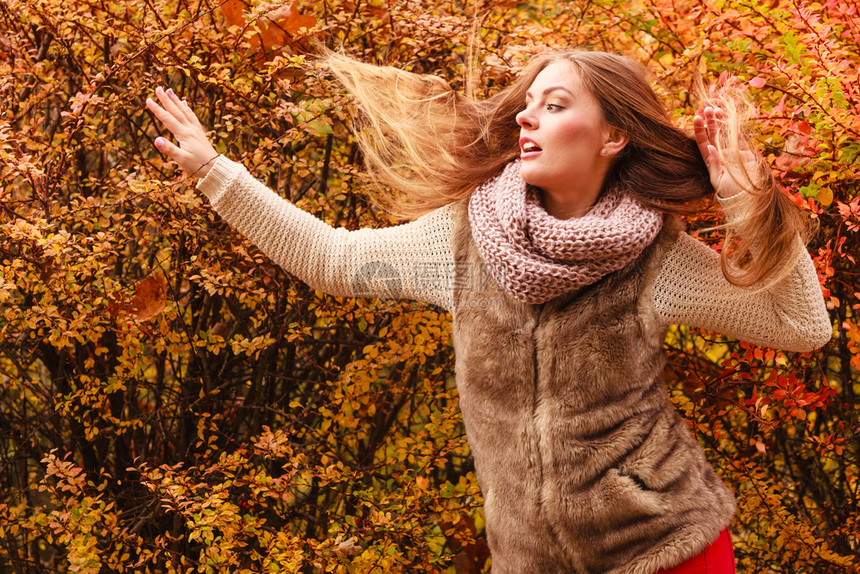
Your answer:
<point x="219" y="177"/>
<point x="205" y="168"/>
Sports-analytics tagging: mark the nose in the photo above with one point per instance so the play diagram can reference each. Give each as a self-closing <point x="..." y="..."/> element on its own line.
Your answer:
<point x="526" y="119"/>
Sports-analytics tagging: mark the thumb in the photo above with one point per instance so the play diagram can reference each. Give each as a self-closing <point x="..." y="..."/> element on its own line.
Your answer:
<point x="172" y="151"/>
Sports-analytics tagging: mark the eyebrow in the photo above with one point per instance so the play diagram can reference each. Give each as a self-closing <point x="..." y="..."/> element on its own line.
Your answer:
<point x="550" y="90"/>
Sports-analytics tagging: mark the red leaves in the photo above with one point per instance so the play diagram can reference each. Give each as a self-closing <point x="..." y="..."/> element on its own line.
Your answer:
<point x="69" y="477"/>
<point x="80" y="100"/>
<point x="757" y="82"/>
<point x="827" y="443"/>
<point x="471" y="554"/>
<point x="850" y="213"/>
<point x="787" y="397"/>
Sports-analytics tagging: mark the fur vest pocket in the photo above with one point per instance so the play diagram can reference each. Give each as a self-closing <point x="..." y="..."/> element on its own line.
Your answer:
<point x="584" y="465"/>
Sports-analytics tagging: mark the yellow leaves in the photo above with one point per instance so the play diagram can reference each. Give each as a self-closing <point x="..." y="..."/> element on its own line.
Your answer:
<point x="251" y="347"/>
<point x="84" y="556"/>
<point x="351" y="421"/>
<point x="852" y="332"/>
<point x="22" y="228"/>
<point x="825" y="196"/>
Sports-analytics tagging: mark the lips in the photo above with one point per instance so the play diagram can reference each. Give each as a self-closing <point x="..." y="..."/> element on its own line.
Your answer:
<point x="529" y="148"/>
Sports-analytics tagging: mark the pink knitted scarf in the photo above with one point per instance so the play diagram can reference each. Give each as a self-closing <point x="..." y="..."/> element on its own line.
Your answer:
<point x="536" y="257"/>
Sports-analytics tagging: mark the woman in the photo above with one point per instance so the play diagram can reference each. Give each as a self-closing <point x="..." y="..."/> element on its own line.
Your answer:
<point x="548" y="232"/>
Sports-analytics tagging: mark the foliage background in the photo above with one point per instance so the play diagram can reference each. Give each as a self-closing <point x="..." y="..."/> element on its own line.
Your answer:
<point x="170" y="401"/>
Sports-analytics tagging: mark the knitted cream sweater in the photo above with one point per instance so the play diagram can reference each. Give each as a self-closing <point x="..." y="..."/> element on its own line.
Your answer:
<point x="416" y="261"/>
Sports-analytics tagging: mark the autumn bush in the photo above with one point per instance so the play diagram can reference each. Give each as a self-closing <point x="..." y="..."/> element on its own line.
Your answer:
<point x="171" y="401"/>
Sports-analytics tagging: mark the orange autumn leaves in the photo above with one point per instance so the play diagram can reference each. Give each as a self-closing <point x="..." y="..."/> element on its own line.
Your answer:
<point x="150" y="296"/>
<point x="275" y="29"/>
<point x="223" y="410"/>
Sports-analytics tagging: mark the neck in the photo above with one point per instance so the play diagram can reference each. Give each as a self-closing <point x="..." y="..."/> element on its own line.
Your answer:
<point x="569" y="205"/>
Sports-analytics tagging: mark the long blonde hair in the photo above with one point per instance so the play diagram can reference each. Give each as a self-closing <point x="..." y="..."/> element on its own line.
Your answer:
<point x="431" y="146"/>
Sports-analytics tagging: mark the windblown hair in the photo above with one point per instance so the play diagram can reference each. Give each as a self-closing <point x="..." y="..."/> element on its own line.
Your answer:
<point x="432" y="146"/>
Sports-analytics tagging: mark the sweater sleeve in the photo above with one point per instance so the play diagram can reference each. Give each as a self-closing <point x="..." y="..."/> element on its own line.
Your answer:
<point x="411" y="261"/>
<point x="692" y="290"/>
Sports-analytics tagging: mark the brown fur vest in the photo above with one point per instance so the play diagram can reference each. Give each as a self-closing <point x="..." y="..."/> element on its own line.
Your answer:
<point x="584" y="465"/>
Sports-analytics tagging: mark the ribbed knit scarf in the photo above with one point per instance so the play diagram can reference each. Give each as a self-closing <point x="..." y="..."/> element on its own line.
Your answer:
<point x="535" y="256"/>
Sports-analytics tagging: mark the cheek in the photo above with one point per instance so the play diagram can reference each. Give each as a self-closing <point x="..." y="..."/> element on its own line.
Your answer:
<point x="579" y="131"/>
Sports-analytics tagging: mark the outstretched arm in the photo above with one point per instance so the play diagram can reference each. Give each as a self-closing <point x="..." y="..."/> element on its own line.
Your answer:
<point x="412" y="261"/>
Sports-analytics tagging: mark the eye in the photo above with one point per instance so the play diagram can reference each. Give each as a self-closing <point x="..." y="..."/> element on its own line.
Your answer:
<point x="554" y="107"/>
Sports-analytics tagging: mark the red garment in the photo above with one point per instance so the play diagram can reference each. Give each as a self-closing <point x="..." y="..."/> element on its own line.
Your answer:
<point x="718" y="558"/>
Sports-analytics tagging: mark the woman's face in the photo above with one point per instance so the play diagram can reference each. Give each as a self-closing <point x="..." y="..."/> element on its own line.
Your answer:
<point x="562" y="133"/>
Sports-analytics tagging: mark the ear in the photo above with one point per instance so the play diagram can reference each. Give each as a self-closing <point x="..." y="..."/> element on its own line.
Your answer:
<point x="614" y="141"/>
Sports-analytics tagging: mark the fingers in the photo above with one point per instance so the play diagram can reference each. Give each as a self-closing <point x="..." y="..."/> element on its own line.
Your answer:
<point x="712" y="117"/>
<point x="173" y="119"/>
<point x="708" y="124"/>
<point x="182" y="108"/>
<point x="714" y="122"/>
<point x="174" y="113"/>
<point x="163" y="115"/>
<point x="189" y="113"/>
<point x="705" y="134"/>
<point x="702" y="134"/>
<point x="171" y="104"/>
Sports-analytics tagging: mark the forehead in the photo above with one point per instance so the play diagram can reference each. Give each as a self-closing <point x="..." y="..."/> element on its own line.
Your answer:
<point x="560" y="73"/>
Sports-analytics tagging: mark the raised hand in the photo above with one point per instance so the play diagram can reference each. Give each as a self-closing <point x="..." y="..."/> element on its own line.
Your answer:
<point x="726" y="179"/>
<point x="194" y="154"/>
